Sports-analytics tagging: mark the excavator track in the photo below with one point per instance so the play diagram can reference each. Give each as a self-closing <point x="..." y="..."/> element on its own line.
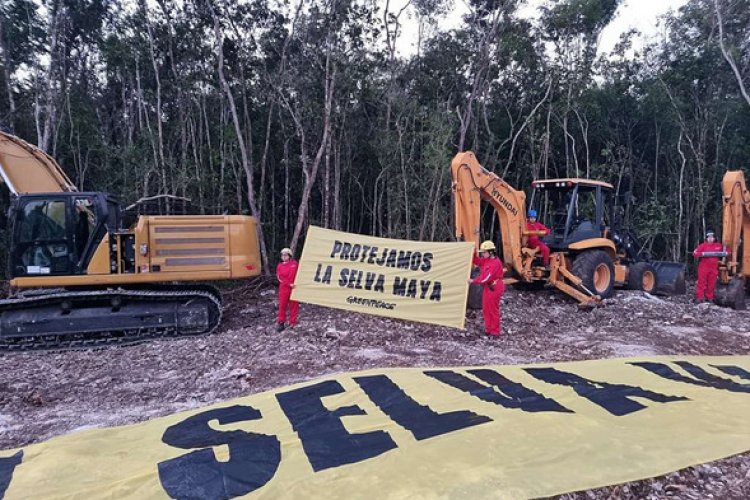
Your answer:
<point x="85" y="319"/>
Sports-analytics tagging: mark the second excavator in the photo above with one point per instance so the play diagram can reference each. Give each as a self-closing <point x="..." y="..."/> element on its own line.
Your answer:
<point x="590" y="253"/>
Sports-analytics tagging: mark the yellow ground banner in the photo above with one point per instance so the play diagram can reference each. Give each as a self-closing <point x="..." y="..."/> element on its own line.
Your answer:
<point x="412" y="280"/>
<point x="482" y="432"/>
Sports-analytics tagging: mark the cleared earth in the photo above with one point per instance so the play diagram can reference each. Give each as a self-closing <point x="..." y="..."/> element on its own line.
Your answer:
<point x="45" y="394"/>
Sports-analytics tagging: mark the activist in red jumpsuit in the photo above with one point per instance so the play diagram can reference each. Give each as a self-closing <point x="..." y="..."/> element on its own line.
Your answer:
<point x="491" y="279"/>
<point x="286" y="271"/>
<point x="708" y="269"/>
<point x="534" y="241"/>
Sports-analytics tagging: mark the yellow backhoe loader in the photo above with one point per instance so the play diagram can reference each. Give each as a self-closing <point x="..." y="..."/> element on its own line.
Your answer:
<point x="734" y="267"/>
<point x="589" y="254"/>
<point x="79" y="278"/>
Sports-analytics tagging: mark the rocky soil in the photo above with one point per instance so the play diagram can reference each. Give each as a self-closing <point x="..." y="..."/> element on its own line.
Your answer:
<point x="45" y="394"/>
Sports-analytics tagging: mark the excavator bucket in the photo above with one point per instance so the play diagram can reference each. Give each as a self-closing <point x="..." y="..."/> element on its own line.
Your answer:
<point x="731" y="294"/>
<point x="670" y="278"/>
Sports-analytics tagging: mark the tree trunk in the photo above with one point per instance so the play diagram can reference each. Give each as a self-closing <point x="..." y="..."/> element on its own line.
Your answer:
<point x="311" y="171"/>
<point x="240" y="141"/>
<point x="8" y="80"/>
<point x="728" y="56"/>
<point x="162" y="166"/>
<point x="44" y="131"/>
<point x="481" y="68"/>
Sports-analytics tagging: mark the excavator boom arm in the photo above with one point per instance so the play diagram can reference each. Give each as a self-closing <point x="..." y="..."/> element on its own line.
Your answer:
<point x="27" y="169"/>
<point x="736" y="221"/>
<point x="471" y="184"/>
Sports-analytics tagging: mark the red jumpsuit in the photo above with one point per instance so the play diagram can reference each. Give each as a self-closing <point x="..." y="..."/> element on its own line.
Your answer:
<point x="285" y="273"/>
<point x="491" y="279"/>
<point x="708" y="270"/>
<point x="535" y="242"/>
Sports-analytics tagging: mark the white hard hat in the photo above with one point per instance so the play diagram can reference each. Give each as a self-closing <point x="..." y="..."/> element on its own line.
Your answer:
<point x="486" y="246"/>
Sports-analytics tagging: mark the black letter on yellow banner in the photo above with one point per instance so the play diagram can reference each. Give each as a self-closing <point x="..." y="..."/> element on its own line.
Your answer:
<point x="611" y="397"/>
<point x="253" y="458"/>
<point x="418" y="419"/>
<point x="511" y="395"/>
<point x="702" y="377"/>
<point x="734" y="370"/>
<point x="7" y="466"/>
<point x="326" y="441"/>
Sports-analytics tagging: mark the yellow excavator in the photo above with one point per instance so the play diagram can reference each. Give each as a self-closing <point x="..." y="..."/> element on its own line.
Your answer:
<point x="589" y="254"/>
<point x="78" y="278"/>
<point x="734" y="266"/>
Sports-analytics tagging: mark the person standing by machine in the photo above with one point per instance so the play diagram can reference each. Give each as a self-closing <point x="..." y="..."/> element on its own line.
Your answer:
<point x="536" y="229"/>
<point x="493" y="287"/>
<point x="708" y="269"/>
<point x="286" y="272"/>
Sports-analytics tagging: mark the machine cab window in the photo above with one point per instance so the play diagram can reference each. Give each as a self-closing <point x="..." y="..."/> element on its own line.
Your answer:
<point x="43" y="238"/>
<point x="585" y="220"/>
<point x="574" y="209"/>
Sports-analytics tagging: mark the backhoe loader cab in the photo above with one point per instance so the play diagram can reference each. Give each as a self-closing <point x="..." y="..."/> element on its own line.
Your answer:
<point x="574" y="209"/>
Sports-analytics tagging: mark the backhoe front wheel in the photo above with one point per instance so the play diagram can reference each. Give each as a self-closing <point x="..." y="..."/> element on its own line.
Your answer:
<point x="597" y="271"/>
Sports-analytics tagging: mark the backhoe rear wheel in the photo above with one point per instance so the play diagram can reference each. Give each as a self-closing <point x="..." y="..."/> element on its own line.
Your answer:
<point x="597" y="270"/>
<point x="642" y="276"/>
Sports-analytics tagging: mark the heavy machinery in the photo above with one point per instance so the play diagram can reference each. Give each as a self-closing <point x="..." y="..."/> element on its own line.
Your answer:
<point x="78" y="278"/>
<point x="734" y="267"/>
<point x="590" y="255"/>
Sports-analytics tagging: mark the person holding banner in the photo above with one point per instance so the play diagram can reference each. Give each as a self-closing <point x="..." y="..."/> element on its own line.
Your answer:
<point x="493" y="287"/>
<point x="708" y="269"/>
<point x="286" y="272"/>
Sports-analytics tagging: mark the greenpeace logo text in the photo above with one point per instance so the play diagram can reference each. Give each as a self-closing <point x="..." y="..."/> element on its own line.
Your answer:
<point x="378" y="304"/>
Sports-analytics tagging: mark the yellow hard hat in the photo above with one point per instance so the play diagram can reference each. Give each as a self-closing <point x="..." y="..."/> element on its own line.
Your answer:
<point x="487" y="245"/>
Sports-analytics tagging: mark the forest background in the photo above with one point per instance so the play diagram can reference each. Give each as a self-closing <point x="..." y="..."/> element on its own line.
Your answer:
<point x="305" y="112"/>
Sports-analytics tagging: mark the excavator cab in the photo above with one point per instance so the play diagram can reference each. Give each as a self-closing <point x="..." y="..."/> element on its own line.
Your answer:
<point x="575" y="209"/>
<point x="56" y="234"/>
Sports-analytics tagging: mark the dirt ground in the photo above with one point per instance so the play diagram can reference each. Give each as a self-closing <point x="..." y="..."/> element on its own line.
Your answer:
<point x="45" y="394"/>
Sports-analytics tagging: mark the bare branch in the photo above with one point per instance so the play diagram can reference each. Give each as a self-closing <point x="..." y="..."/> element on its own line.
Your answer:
<point x="727" y="55"/>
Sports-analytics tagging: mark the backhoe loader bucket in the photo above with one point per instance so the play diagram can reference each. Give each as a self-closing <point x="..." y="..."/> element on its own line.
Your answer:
<point x="731" y="294"/>
<point x="670" y="278"/>
<point x="475" y="297"/>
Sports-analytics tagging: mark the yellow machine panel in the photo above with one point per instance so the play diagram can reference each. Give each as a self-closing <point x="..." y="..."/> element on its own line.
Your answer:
<point x="100" y="261"/>
<point x="197" y="244"/>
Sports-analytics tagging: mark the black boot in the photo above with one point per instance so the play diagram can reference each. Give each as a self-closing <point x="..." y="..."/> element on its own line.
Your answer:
<point x="279" y="327"/>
